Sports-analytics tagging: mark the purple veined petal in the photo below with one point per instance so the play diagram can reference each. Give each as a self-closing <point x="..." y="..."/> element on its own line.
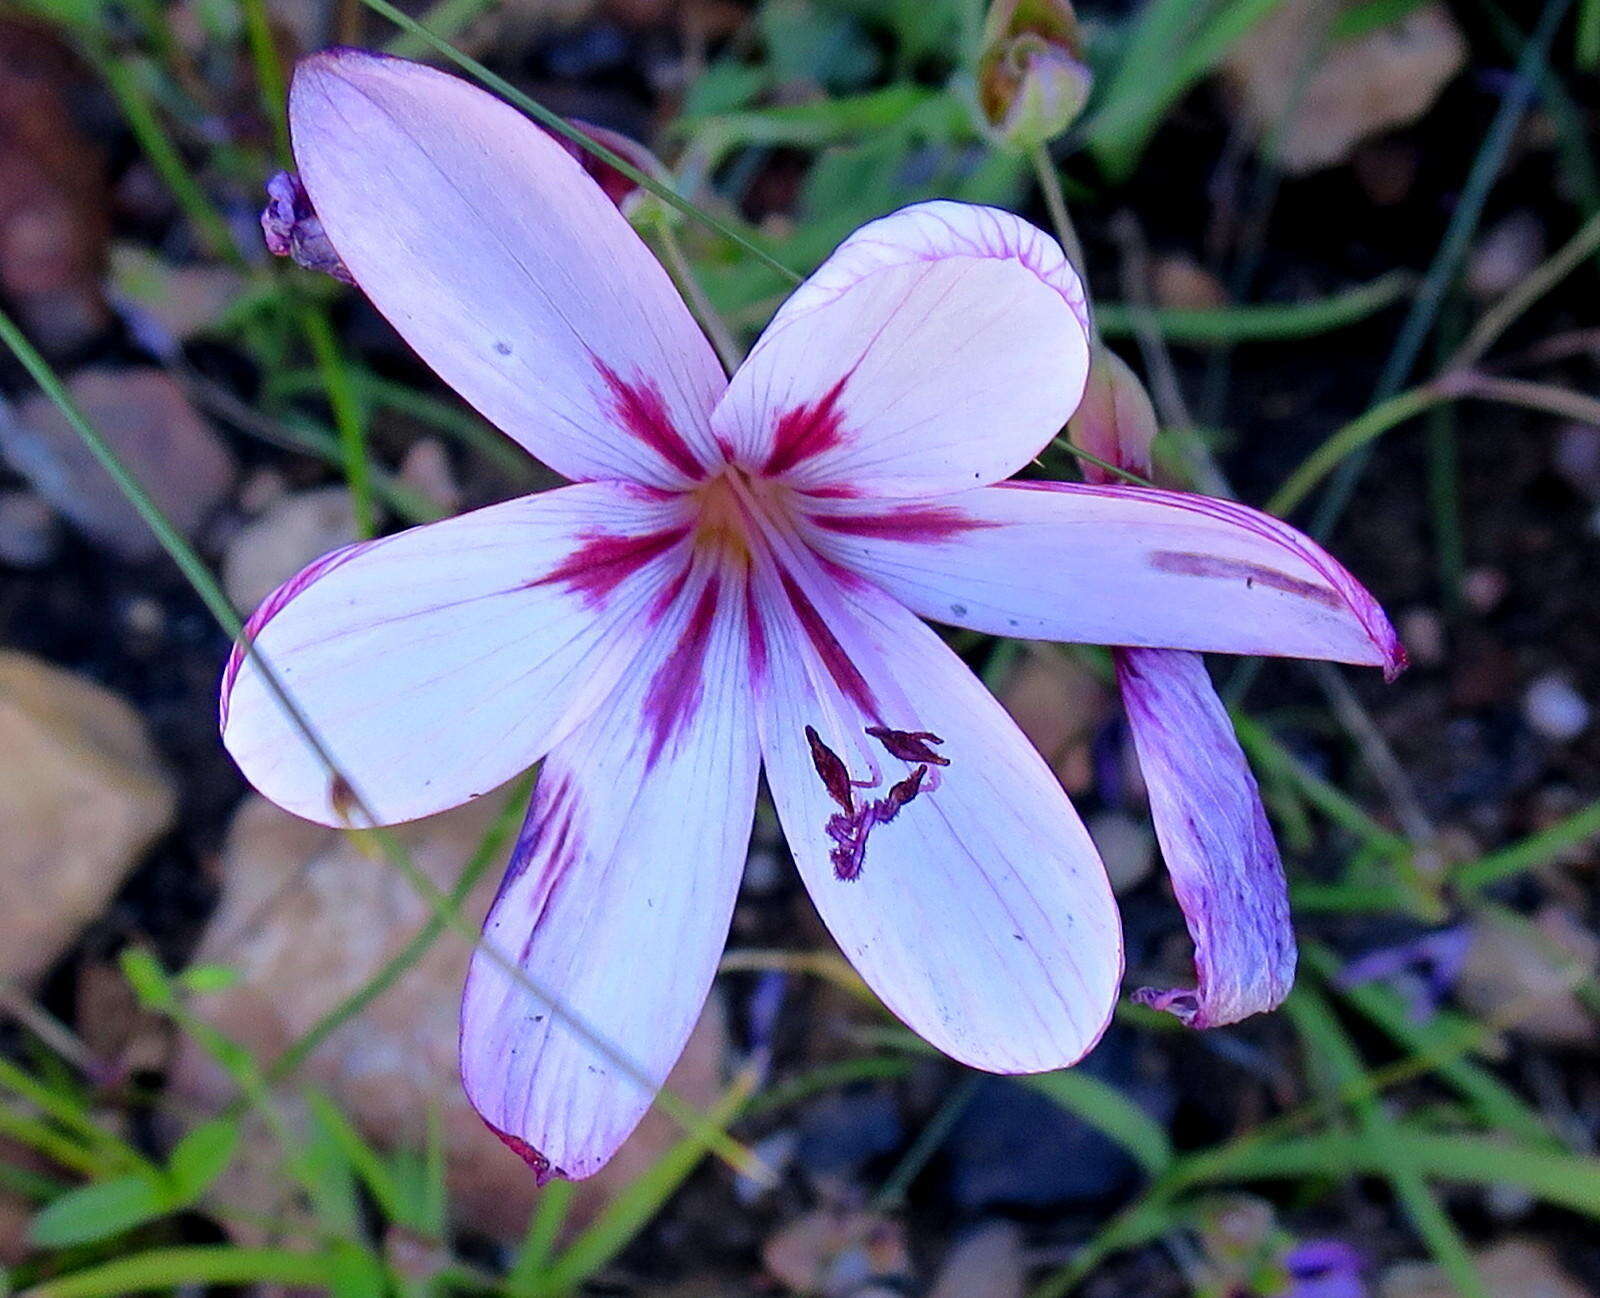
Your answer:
<point x="438" y="663"/>
<point x="938" y="348"/>
<point x="619" y="895"/>
<point x="1215" y="838"/>
<point x="506" y="268"/>
<point x="1119" y="565"/>
<point x="978" y="910"/>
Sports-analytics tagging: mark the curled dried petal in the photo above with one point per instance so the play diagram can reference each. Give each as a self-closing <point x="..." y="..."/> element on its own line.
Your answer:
<point x="290" y="227"/>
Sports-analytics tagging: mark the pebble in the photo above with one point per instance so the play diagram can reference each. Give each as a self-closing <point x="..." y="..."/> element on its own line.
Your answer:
<point x="1554" y="709"/>
<point x="142" y="413"/>
<point x="82" y="795"/>
<point x="27" y="530"/>
<point x="305" y="917"/>
<point x="1127" y="847"/>
<point x="291" y="531"/>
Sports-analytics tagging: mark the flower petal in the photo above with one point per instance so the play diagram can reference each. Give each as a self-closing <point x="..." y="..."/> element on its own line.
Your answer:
<point x="437" y="663"/>
<point x="507" y="268"/>
<point x="1215" y="837"/>
<point x="617" y="901"/>
<point x="979" y="911"/>
<point x="938" y="348"/>
<point x="1113" y="565"/>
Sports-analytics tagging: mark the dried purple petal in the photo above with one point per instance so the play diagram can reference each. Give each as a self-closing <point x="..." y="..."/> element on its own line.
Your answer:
<point x="1214" y="835"/>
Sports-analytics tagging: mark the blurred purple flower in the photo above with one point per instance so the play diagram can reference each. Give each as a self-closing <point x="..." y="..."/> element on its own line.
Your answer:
<point x="1325" y="1268"/>
<point x="1424" y="971"/>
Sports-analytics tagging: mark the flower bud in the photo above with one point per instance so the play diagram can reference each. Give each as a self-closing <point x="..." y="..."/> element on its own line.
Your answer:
<point x="1032" y="81"/>
<point x="291" y="228"/>
<point x="1115" y="420"/>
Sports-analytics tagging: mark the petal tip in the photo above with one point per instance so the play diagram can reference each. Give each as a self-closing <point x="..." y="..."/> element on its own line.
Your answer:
<point x="543" y="1171"/>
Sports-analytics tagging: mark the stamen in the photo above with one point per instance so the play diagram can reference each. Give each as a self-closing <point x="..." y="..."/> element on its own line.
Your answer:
<point x="849" y="829"/>
<point x="909" y="745"/>
<point x="835" y="775"/>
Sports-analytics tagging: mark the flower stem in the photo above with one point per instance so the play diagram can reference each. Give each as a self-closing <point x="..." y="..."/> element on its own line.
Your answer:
<point x="677" y="264"/>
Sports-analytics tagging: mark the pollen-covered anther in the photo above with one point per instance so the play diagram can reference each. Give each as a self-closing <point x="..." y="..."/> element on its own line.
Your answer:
<point x="909" y="745"/>
<point x="830" y="766"/>
<point x="848" y="829"/>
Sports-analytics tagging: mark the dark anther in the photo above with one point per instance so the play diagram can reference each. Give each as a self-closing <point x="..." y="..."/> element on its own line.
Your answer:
<point x="909" y="745"/>
<point x="835" y="775"/>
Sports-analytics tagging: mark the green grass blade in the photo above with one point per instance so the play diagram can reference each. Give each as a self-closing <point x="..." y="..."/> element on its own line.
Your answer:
<point x="1227" y="326"/>
<point x="1531" y="853"/>
<point x="168" y="1268"/>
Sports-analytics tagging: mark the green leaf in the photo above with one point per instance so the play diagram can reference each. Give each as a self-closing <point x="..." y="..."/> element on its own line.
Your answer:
<point x="202" y="979"/>
<point x="149" y="980"/>
<point x="1105" y="1109"/>
<point x="99" y="1210"/>
<point x="201" y="1157"/>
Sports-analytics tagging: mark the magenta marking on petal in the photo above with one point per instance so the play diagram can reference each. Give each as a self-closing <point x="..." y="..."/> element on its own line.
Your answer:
<point x="1351" y="592"/>
<point x="806" y="431"/>
<point x="675" y="691"/>
<point x="834" y="658"/>
<point x="543" y="1172"/>
<point x="274" y="604"/>
<point x="924" y="524"/>
<point x="602" y="561"/>
<point x="755" y="630"/>
<point x="642" y="411"/>
<point x="1210" y="565"/>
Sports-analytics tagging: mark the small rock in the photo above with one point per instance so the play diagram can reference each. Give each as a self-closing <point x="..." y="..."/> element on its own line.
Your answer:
<point x="985" y="1263"/>
<point x="1014" y="1147"/>
<point x="306" y="917"/>
<point x="1554" y="709"/>
<point x="82" y="795"/>
<point x="1517" y="1268"/>
<point x="1182" y="282"/>
<point x="262" y="487"/>
<point x="148" y="421"/>
<point x="1422" y="633"/>
<point x="27" y="530"/>
<point x="1127" y="847"/>
<point x="1577" y="457"/>
<point x="1516" y="979"/>
<point x="1059" y="705"/>
<point x="1484" y="588"/>
<point x="844" y="1131"/>
<point x="53" y="208"/>
<point x="837" y="1254"/>
<point x="426" y="469"/>
<point x="1360" y="87"/>
<point x="1507" y="255"/>
<point x="290" y="533"/>
<point x="169" y="303"/>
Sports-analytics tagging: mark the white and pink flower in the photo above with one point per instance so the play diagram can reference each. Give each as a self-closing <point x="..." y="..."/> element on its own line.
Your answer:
<point x="734" y="582"/>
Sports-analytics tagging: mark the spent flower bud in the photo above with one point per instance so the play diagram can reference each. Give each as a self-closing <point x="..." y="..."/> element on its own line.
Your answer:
<point x="291" y="228"/>
<point x="1115" y="421"/>
<point x="1032" y="81"/>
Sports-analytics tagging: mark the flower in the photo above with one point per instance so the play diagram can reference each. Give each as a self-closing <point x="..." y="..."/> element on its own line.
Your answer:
<point x="732" y="582"/>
